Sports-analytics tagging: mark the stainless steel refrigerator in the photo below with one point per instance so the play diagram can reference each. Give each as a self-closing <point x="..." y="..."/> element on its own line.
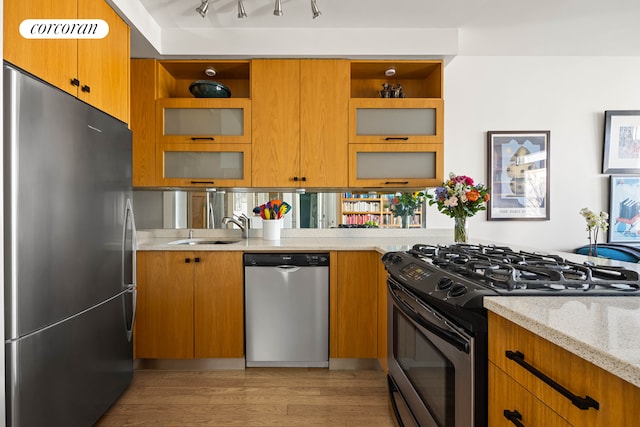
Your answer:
<point x="69" y="256"/>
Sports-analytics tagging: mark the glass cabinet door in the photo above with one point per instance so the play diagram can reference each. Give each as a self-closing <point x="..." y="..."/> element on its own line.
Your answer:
<point x="396" y="120"/>
<point x="204" y="120"/>
<point x="204" y="164"/>
<point x="407" y="165"/>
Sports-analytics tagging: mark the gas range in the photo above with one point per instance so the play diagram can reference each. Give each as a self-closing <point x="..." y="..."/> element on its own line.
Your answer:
<point x="462" y="274"/>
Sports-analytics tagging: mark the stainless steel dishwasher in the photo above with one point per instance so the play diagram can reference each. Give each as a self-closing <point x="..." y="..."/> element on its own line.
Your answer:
<point x="287" y="309"/>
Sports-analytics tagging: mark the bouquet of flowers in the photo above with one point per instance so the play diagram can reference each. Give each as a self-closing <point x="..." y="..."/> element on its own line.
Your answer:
<point x="459" y="197"/>
<point x="406" y="203"/>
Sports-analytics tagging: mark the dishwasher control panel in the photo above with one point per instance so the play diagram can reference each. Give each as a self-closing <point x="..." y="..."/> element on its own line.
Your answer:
<point x="298" y="259"/>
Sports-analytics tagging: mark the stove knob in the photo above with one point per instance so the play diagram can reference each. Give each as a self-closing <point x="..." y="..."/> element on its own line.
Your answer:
<point x="457" y="290"/>
<point x="444" y="283"/>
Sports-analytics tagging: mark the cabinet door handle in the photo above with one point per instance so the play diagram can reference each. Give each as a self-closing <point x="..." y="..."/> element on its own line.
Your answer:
<point x="196" y="259"/>
<point x="202" y="182"/>
<point x="583" y="403"/>
<point x="85" y="88"/>
<point x="75" y="82"/>
<point x="396" y="182"/>
<point x="397" y="138"/>
<point x="514" y="417"/>
<point x="202" y="138"/>
<point x="187" y="260"/>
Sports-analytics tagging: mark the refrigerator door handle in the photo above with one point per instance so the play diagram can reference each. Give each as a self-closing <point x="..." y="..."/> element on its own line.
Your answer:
<point x="132" y="287"/>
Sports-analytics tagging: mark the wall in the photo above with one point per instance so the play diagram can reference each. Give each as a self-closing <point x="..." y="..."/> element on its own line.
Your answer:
<point x="564" y="94"/>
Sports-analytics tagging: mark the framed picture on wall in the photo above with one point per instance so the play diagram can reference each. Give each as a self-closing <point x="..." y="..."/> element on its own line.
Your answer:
<point x="624" y="209"/>
<point x="518" y="175"/>
<point x="621" y="142"/>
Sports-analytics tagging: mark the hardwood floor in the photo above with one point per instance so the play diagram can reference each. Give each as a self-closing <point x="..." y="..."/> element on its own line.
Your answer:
<point x="281" y="397"/>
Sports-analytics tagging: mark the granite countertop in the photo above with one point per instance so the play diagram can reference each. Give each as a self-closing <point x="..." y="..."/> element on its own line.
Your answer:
<point x="295" y="240"/>
<point x="601" y="330"/>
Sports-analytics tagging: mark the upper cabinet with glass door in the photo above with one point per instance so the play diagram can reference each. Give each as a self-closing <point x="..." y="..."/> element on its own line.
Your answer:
<point x="181" y="117"/>
<point x="396" y="101"/>
<point x="181" y="140"/>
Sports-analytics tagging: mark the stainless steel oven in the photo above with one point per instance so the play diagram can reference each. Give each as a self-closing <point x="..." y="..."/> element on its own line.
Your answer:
<point x="432" y="365"/>
<point x="437" y="327"/>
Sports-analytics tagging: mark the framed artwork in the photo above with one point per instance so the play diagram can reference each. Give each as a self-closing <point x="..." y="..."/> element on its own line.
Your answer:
<point x="621" y="142"/>
<point x="624" y="209"/>
<point x="518" y="175"/>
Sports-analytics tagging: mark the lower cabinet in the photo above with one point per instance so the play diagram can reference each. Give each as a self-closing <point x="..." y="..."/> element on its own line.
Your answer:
<point x="190" y="305"/>
<point x="354" y="304"/>
<point x="518" y="359"/>
<point x="511" y="403"/>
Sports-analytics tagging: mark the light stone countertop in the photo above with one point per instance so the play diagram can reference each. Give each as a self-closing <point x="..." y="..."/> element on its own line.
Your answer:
<point x="296" y="240"/>
<point x="602" y="330"/>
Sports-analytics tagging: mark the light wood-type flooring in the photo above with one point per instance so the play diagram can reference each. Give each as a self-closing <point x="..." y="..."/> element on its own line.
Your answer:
<point x="282" y="397"/>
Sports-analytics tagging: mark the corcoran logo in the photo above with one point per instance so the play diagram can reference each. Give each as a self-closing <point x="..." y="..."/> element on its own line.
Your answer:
<point x="64" y="29"/>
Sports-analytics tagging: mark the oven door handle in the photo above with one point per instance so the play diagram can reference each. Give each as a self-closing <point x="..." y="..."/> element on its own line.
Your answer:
<point x="449" y="336"/>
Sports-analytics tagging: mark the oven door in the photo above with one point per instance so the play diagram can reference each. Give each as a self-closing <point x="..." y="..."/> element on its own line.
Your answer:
<point x="430" y="364"/>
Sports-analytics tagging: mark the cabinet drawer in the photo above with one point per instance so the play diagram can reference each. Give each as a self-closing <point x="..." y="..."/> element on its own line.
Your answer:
<point x="579" y="377"/>
<point x="507" y="399"/>
<point x="204" y="164"/>
<point x="396" y="121"/>
<point x="183" y="120"/>
<point x="401" y="166"/>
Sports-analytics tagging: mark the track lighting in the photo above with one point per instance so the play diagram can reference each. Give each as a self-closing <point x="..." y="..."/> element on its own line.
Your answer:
<point x="314" y="9"/>
<point x="241" y="12"/>
<point x="203" y="8"/>
<point x="278" y="9"/>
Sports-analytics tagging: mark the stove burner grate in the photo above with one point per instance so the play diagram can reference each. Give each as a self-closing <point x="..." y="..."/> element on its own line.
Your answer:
<point x="505" y="269"/>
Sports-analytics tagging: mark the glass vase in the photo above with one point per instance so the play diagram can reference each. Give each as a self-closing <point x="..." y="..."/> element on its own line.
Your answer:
<point x="460" y="229"/>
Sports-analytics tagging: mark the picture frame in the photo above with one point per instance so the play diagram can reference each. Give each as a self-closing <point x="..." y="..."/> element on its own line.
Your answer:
<point x="621" y="142"/>
<point x="518" y="168"/>
<point x="624" y="209"/>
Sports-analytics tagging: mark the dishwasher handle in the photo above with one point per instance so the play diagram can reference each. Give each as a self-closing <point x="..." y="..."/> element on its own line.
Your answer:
<point x="286" y="268"/>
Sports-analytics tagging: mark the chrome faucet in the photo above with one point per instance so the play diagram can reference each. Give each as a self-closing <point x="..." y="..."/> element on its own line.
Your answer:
<point x="242" y="221"/>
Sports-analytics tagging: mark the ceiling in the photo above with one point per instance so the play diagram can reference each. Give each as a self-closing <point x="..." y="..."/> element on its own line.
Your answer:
<point x="413" y="27"/>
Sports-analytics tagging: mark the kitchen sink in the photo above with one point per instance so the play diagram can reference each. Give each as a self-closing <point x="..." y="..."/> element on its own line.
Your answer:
<point x="192" y="242"/>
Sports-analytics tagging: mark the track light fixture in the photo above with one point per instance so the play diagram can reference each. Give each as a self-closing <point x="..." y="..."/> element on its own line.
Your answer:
<point x="314" y="9"/>
<point x="241" y="12"/>
<point x="278" y="9"/>
<point x="203" y="8"/>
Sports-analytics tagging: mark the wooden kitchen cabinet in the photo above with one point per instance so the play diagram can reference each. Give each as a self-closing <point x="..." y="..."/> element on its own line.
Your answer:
<point x="190" y="305"/>
<point x="354" y="305"/>
<point x="299" y="122"/>
<point x="203" y="165"/>
<point x="396" y="121"/>
<point x="166" y="118"/>
<point x="396" y="143"/>
<point x="396" y="167"/>
<point x="616" y="398"/>
<point x="94" y="70"/>
<point x="510" y="399"/>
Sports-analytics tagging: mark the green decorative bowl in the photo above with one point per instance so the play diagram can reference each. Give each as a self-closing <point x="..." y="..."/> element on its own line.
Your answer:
<point x="209" y="89"/>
